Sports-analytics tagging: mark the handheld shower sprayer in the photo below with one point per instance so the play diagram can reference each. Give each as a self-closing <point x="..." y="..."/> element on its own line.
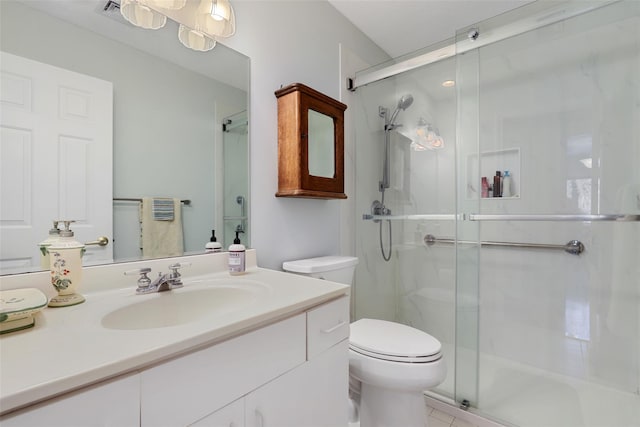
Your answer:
<point x="378" y="207"/>
<point x="389" y="125"/>
<point x="404" y="103"/>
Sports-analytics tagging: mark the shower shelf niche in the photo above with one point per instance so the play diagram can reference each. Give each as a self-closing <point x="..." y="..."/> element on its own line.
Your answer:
<point x="490" y="162"/>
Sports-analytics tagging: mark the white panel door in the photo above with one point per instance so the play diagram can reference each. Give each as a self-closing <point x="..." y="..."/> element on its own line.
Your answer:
<point x="56" y="159"/>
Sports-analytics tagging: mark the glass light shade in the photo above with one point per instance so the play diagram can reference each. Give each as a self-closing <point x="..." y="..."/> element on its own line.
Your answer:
<point x="141" y="15"/>
<point x="195" y="39"/>
<point x="167" y="4"/>
<point x="220" y="10"/>
<point x="222" y="24"/>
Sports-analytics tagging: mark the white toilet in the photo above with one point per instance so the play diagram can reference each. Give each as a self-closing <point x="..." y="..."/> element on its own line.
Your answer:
<point x="390" y="364"/>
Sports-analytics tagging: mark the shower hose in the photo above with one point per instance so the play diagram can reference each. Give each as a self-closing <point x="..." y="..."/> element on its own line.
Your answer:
<point x="386" y="257"/>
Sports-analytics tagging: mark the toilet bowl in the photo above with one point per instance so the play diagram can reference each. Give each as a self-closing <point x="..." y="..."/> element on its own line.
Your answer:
<point x="390" y="364"/>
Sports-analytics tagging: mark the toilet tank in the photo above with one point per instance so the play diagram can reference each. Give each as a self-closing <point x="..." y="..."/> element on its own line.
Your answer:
<point x="335" y="268"/>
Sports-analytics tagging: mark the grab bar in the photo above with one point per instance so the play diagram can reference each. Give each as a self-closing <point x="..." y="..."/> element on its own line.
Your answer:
<point x="573" y="247"/>
<point x="552" y="217"/>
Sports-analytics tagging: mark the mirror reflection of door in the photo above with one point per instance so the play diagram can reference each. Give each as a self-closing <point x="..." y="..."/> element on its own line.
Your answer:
<point x="59" y="123"/>
<point x="236" y="185"/>
<point x="321" y="145"/>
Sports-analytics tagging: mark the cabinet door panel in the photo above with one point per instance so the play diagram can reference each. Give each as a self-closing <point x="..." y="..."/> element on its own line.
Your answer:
<point x="114" y="403"/>
<point x="184" y="390"/>
<point x="313" y="395"/>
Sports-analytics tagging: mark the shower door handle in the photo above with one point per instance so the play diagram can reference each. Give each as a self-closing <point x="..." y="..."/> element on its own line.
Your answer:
<point x="553" y="217"/>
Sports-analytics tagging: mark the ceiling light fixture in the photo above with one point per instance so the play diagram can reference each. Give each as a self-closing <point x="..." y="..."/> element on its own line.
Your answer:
<point x="220" y="10"/>
<point x="195" y="39"/>
<point x="141" y="15"/>
<point x="168" y="4"/>
<point x="448" y="83"/>
<point x="202" y="22"/>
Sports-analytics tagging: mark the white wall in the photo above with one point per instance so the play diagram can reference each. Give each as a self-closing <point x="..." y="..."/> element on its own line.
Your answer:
<point x="288" y="42"/>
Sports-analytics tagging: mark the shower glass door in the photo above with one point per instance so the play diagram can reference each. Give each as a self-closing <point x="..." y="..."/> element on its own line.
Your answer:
<point x="417" y="285"/>
<point x="557" y="334"/>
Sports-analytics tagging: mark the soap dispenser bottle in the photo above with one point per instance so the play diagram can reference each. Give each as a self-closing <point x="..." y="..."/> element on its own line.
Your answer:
<point x="213" y="245"/>
<point x="54" y="235"/>
<point x="237" y="257"/>
<point x="65" y="263"/>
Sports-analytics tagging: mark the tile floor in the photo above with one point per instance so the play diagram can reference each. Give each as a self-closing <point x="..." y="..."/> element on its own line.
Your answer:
<point x="438" y="418"/>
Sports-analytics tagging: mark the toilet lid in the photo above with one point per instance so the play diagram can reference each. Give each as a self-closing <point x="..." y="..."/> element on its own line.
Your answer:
<point x="393" y="341"/>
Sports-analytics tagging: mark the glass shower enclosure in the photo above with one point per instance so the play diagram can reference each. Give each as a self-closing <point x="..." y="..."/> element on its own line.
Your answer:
<point x="235" y="151"/>
<point x="531" y="282"/>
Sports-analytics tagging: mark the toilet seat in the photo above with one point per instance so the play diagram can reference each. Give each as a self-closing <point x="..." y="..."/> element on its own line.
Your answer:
<point x="393" y="342"/>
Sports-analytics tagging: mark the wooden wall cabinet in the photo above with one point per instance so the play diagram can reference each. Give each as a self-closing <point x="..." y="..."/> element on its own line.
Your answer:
<point x="310" y="144"/>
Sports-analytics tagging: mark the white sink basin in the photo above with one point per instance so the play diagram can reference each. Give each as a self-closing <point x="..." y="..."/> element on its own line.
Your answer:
<point x="197" y="300"/>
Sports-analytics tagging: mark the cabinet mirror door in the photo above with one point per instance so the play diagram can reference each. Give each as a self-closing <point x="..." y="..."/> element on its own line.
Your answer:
<point x="321" y="145"/>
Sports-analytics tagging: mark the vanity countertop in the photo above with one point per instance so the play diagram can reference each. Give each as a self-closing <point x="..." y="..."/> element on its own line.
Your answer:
<point x="70" y="347"/>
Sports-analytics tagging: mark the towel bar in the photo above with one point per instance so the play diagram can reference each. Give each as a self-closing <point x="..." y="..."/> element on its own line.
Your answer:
<point x="186" y="202"/>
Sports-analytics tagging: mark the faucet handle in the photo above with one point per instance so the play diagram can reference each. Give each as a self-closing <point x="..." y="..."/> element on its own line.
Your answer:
<point x="179" y="265"/>
<point x="144" y="280"/>
<point x="174" y="268"/>
<point x="174" y="276"/>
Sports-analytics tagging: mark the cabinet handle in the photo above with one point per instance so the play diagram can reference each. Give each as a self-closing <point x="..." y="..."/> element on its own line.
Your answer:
<point x="259" y="418"/>
<point x="338" y="326"/>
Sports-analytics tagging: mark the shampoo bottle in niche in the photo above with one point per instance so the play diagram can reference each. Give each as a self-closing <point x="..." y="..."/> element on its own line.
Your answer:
<point x="236" y="257"/>
<point x="54" y="235"/>
<point x="65" y="263"/>
<point x="213" y="245"/>
<point x="485" y="187"/>
<point x="506" y="185"/>
<point x="497" y="184"/>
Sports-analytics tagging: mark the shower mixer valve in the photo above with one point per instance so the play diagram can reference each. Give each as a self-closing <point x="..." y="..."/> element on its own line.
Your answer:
<point x="378" y="208"/>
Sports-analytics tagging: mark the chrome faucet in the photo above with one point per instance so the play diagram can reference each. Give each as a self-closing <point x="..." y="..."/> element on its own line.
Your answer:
<point x="164" y="282"/>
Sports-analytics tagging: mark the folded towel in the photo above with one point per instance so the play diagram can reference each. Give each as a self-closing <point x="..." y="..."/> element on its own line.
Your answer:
<point x="163" y="209"/>
<point x="164" y="237"/>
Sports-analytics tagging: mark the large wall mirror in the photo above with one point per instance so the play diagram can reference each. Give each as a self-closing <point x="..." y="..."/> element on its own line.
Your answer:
<point x="176" y="119"/>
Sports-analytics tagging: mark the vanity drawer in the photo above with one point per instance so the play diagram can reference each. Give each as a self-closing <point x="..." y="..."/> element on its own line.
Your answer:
<point x="327" y="325"/>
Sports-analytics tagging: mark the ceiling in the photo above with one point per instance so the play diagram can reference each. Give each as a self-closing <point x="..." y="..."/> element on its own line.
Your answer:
<point x="402" y="26"/>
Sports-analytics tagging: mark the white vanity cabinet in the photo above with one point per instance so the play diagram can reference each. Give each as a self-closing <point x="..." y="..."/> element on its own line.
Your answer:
<point x="293" y="372"/>
<point x="112" y="403"/>
<point x="314" y="394"/>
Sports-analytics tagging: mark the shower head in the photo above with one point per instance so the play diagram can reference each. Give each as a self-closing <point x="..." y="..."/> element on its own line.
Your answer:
<point x="404" y="103"/>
